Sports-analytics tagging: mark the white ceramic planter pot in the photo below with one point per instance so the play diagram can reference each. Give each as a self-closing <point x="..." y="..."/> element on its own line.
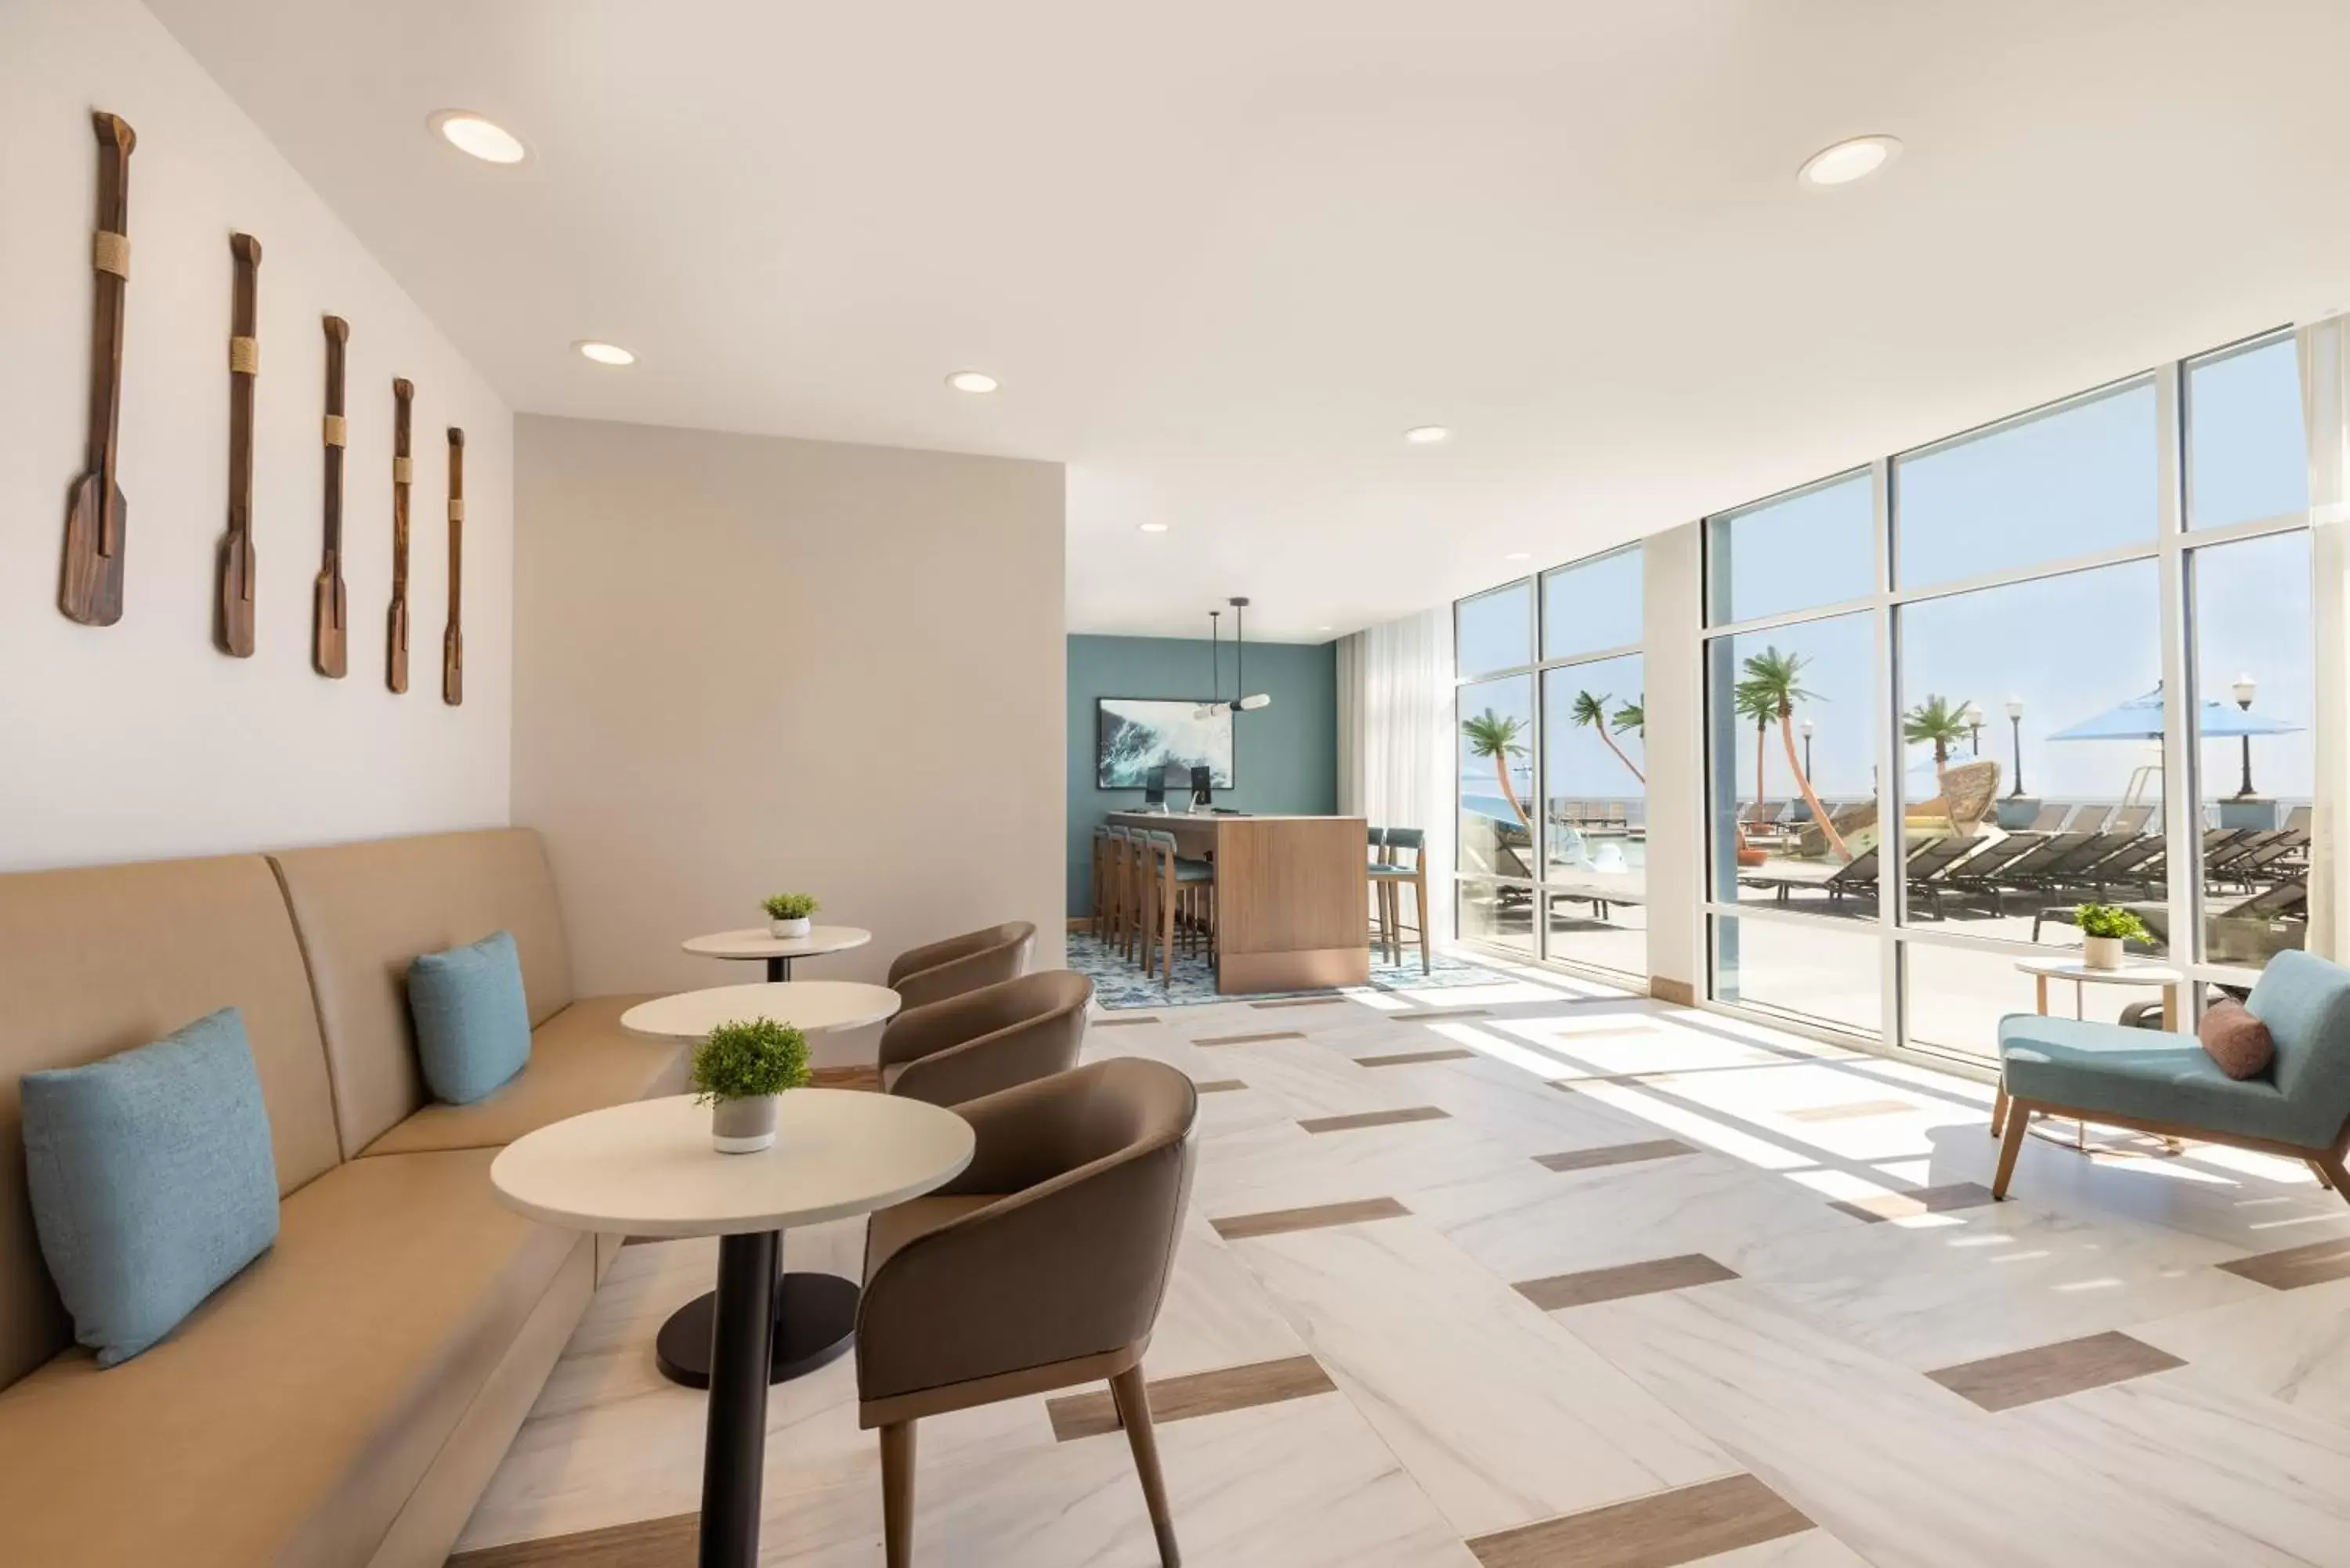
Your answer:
<point x="2102" y="952"/>
<point x="789" y="928"/>
<point x="742" y="1127"/>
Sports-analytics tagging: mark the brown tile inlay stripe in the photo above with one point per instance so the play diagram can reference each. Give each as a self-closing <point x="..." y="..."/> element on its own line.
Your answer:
<point x="2052" y="1371"/>
<point x="1624" y="1280"/>
<point x="1220" y="1085"/>
<point x="1250" y="1039"/>
<point x="1851" y="1111"/>
<point x="859" y="1076"/>
<point x="1427" y="1013"/>
<point x="1373" y="1119"/>
<point x="1908" y="1205"/>
<point x="1200" y="1394"/>
<point x="1660" y="1530"/>
<point x="1616" y="1154"/>
<point x="1299" y="1002"/>
<point x="1571" y="1085"/>
<point x="1125" y="1022"/>
<point x="1406" y="1058"/>
<point x="646" y="1544"/>
<point x="2295" y="1266"/>
<point x="1281" y="1221"/>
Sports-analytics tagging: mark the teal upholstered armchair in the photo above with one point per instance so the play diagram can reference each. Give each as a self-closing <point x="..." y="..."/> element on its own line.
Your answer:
<point x="2166" y="1084"/>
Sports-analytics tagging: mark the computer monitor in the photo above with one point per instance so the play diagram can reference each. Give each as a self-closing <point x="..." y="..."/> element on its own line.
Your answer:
<point x="1202" y="794"/>
<point x="1154" y="790"/>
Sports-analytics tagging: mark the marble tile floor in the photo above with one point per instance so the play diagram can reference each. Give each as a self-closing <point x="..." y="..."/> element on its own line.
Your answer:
<point x="1597" y="1292"/>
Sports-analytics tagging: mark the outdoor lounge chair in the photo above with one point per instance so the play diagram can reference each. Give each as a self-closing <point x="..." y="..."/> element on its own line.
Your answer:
<point x="2129" y="819"/>
<point x="2253" y="931"/>
<point x="2052" y="816"/>
<point x="2166" y="1084"/>
<point x="1994" y="880"/>
<point x="1855" y="879"/>
<point x="1923" y="872"/>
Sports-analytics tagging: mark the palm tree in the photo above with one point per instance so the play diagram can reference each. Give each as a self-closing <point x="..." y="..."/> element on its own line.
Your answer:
<point x="1632" y="719"/>
<point x="1591" y="712"/>
<point x="1753" y="701"/>
<point x="1776" y="678"/>
<point x="1937" y="720"/>
<point x="1492" y="735"/>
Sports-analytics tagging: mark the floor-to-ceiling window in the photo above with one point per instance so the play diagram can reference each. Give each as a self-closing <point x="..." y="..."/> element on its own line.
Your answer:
<point x="1551" y="712"/>
<point x="1946" y="692"/>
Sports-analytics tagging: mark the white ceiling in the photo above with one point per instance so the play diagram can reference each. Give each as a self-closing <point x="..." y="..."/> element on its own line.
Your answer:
<point x="1221" y="254"/>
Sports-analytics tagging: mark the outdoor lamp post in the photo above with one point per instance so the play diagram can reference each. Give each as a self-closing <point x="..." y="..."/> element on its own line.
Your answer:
<point x="2015" y="724"/>
<point x="1973" y="718"/>
<point x="1807" y="727"/>
<point x="2242" y="691"/>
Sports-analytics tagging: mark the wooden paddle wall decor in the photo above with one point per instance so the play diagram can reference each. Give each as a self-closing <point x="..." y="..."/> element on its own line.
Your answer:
<point x="89" y="589"/>
<point x="232" y="628"/>
<point x="395" y="664"/>
<point x="329" y="625"/>
<point x="453" y="641"/>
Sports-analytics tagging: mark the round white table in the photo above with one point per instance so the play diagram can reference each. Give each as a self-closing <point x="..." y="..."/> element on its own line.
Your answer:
<point x="815" y="1314"/>
<point x="757" y="942"/>
<point x="648" y="1169"/>
<point x="2083" y="976"/>
<point x="811" y="1006"/>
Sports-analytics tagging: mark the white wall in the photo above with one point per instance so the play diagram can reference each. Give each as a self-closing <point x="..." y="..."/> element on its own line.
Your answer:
<point x="1672" y="571"/>
<point x="746" y="665"/>
<point x="140" y="740"/>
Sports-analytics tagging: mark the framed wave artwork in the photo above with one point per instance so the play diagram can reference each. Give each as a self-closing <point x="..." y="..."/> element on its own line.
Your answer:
<point x="1135" y="737"/>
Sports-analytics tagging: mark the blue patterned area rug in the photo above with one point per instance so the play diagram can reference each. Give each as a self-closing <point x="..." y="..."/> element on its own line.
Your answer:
<point x="1118" y="982"/>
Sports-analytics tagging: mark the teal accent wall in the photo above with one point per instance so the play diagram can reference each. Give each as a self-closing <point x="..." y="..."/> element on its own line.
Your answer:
<point x="1285" y="756"/>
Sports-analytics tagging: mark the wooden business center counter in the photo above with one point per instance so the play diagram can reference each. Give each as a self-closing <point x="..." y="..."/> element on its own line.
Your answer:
<point x="1292" y="895"/>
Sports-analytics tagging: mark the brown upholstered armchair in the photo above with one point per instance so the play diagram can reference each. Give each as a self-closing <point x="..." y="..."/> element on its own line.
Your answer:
<point x="1042" y="1265"/>
<point x="933" y="973"/>
<point x="992" y="1038"/>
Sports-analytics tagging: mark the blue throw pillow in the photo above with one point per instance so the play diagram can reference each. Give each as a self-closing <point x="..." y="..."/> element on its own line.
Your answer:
<point x="151" y="1180"/>
<point x="472" y="1026"/>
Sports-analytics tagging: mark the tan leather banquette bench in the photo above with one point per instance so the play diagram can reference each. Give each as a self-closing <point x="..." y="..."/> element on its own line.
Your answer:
<point x="345" y="1399"/>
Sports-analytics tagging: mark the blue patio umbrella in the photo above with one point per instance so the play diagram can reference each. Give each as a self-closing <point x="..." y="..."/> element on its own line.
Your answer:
<point x="2140" y="718"/>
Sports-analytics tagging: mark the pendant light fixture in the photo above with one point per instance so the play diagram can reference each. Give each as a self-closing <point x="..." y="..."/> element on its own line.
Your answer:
<point x="1239" y="703"/>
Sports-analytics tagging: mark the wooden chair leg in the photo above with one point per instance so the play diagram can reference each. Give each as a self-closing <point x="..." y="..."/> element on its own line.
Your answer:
<point x="1125" y="1391"/>
<point x="2324" y="1177"/>
<point x="1999" y="1111"/>
<point x="1167" y="926"/>
<point x="2334" y="1170"/>
<point x="898" y="1494"/>
<point x="2019" y="1118"/>
<point x="1420" y="914"/>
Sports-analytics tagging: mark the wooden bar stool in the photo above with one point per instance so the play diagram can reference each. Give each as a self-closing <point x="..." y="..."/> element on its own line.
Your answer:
<point x="1390" y="875"/>
<point x="1174" y="885"/>
<point x="1103" y="869"/>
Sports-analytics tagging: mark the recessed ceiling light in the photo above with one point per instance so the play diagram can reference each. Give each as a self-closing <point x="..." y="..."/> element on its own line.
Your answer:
<point x="1519" y="555"/>
<point x="971" y="381"/>
<point x="1856" y="157"/>
<point x="1320" y="629"/>
<point x="1150" y="527"/>
<point x="604" y="353"/>
<point x="471" y="134"/>
<point x="1427" y="435"/>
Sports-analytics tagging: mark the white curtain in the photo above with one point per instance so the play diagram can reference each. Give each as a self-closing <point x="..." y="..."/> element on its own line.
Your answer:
<point x="1395" y="739"/>
<point x="2325" y="351"/>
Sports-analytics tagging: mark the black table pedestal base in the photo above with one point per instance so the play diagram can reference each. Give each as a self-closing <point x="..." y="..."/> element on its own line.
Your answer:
<point x="815" y="1321"/>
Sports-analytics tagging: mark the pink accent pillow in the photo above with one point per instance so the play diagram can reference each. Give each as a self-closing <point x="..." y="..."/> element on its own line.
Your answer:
<point x="2239" y="1041"/>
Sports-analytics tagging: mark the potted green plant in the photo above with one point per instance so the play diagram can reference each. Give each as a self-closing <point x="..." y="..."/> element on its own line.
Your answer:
<point x="739" y="1071"/>
<point x="788" y="914"/>
<point x="2105" y="927"/>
